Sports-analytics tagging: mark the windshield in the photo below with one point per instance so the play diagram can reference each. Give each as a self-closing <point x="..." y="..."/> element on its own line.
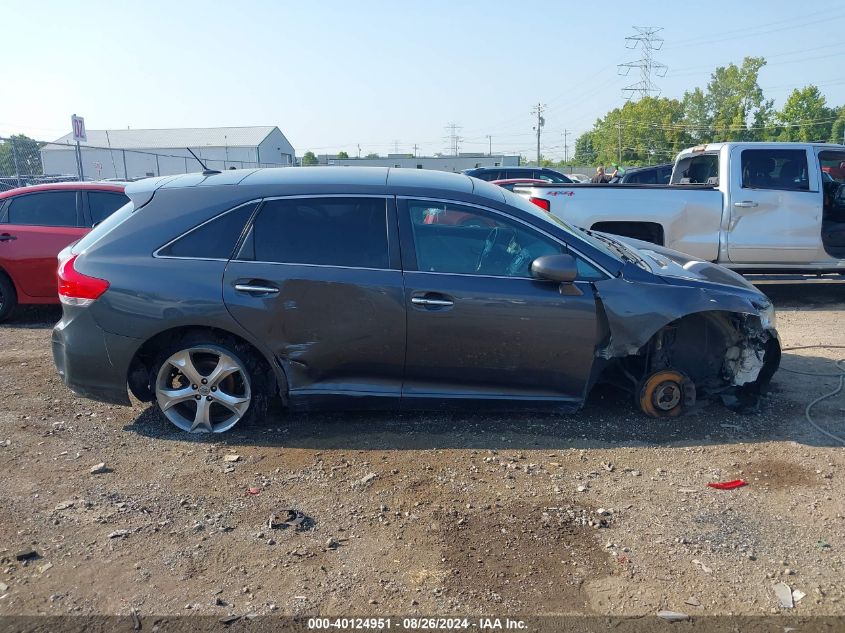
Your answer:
<point x="521" y="203"/>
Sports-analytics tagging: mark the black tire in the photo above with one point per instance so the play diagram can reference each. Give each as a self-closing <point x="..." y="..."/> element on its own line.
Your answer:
<point x="249" y="380"/>
<point x="8" y="298"/>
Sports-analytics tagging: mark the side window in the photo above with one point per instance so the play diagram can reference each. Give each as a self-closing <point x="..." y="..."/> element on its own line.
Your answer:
<point x="214" y="239"/>
<point x="452" y="238"/>
<point x="323" y="231"/>
<point x="102" y="204"/>
<point x="48" y="208"/>
<point x="775" y="169"/>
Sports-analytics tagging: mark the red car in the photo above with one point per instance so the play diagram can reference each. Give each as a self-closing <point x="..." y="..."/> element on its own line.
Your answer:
<point x="35" y="224"/>
<point x="437" y="215"/>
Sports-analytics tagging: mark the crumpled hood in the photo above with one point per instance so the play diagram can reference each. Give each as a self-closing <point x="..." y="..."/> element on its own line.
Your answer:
<point x="675" y="265"/>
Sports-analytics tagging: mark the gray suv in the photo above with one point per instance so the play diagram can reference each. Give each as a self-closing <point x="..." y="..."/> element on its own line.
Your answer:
<point x="368" y="287"/>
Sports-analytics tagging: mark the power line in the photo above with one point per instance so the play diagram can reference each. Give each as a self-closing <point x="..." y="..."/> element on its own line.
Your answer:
<point x="647" y="40"/>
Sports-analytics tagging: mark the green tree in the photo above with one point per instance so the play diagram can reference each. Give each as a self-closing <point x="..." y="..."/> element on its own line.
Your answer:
<point x="584" y="152"/>
<point x="372" y="156"/>
<point x="735" y="103"/>
<point x="645" y="132"/>
<point x="342" y="155"/>
<point x="697" y="117"/>
<point x="837" y="130"/>
<point x="805" y="116"/>
<point x="308" y="159"/>
<point x="28" y="155"/>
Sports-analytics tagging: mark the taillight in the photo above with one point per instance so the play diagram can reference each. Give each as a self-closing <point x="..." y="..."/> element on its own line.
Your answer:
<point x="544" y="204"/>
<point x="76" y="289"/>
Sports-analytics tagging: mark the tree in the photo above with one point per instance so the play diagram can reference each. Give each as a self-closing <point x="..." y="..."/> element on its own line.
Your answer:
<point x="697" y="117"/>
<point x="309" y="159"/>
<point x="584" y="152"/>
<point x="805" y="116"/>
<point x="372" y="156"/>
<point x="837" y="130"/>
<point x="735" y="102"/>
<point x="644" y="132"/>
<point x="342" y="155"/>
<point x="28" y="154"/>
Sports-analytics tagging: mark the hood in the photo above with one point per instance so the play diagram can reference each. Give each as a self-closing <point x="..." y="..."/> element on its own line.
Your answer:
<point x="675" y="266"/>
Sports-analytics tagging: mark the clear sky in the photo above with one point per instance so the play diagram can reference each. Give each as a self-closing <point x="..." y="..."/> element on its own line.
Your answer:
<point x="334" y="74"/>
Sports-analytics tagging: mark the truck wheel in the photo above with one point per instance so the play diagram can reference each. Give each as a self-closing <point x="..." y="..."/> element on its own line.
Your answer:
<point x="665" y="394"/>
<point x="8" y="298"/>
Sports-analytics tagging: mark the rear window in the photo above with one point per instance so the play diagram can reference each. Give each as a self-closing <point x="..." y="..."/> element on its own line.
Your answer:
<point x="697" y="169"/>
<point x="104" y="227"/>
<point x="48" y="208"/>
<point x="350" y="232"/>
<point x="102" y="204"/>
<point x="214" y="239"/>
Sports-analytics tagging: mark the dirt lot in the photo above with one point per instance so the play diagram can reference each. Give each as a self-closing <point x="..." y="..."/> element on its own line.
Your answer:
<point x="605" y="512"/>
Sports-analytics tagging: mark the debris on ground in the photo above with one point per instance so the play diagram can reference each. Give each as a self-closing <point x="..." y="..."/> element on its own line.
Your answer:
<point x="99" y="469"/>
<point x="253" y="491"/>
<point x="672" y="616"/>
<point x="118" y="533"/>
<point x="367" y="479"/>
<point x="231" y="457"/>
<point x="728" y="485"/>
<point x="693" y="601"/>
<point x="27" y="554"/>
<point x="784" y="595"/>
<point x="288" y="518"/>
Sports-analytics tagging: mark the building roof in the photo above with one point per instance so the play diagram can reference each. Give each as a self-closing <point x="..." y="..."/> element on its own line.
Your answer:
<point x="174" y="137"/>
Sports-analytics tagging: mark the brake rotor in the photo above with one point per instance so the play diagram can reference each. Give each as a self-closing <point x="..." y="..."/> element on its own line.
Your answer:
<point x="665" y="394"/>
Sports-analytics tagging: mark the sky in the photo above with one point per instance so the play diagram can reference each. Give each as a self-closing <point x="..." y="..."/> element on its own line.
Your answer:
<point x="387" y="75"/>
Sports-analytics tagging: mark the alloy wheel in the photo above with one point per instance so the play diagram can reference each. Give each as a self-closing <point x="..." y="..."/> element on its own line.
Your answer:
<point x="204" y="389"/>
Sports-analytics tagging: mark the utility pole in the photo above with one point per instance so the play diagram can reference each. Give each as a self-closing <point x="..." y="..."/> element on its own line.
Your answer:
<point x="395" y="147"/>
<point x="648" y="41"/>
<point x="565" y="146"/>
<point x="359" y="150"/>
<point x="619" y="125"/>
<point x="454" y="139"/>
<point x="490" y="139"/>
<point x="416" y="147"/>
<point x="538" y="110"/>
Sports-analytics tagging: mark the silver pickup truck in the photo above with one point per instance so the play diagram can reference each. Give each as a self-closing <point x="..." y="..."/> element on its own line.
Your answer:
<point x="753" y="207"/>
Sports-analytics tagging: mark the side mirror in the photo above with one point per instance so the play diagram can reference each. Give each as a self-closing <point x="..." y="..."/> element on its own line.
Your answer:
<point x="560" y="268"/>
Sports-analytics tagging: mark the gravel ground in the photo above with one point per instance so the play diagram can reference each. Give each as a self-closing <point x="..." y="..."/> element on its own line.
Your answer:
<point x="604" y="512"/>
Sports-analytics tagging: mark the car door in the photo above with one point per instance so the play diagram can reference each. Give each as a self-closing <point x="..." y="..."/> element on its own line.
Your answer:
<point x="776" y="207"/>
<point x="478" y="325"/>
<point x="318" y="281"/>
<point x="36" y="227"/>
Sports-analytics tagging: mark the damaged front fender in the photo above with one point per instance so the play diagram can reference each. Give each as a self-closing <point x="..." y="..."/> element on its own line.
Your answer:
<point x="716" y="337"/>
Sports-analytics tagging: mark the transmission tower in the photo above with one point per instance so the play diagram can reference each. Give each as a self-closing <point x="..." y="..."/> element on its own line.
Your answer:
<point x="647" y="41"/>
<point x="454" y="139"/>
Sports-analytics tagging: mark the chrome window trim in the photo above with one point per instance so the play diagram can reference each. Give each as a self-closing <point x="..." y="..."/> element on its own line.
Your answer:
<point x="255" y="261"/>
<point x="156" y="254"/>
<point x="505" y="215"/>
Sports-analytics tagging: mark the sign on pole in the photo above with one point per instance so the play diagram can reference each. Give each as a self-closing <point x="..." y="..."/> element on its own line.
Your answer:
<point x="78" y="124"/>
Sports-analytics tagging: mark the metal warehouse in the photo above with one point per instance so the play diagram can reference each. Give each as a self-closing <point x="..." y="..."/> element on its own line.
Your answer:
<point x="129" y="153"/>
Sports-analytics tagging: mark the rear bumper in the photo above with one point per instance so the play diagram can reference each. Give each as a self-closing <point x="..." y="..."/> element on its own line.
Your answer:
<point x="92" y="362"/>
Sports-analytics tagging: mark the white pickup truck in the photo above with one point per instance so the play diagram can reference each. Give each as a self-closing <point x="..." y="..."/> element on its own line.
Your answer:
<point x="753" y="207"/>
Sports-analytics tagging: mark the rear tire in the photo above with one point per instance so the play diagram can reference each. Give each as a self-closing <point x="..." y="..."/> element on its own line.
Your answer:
<point x="206" y="384"/>
<point x="8" y="298"/>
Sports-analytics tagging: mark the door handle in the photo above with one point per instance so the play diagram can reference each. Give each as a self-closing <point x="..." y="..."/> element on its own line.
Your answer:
<point x="438" y="303"/>
<point x="256" y="289"/>
<point x="745" y="204"/>
<point x="5" y="237"/>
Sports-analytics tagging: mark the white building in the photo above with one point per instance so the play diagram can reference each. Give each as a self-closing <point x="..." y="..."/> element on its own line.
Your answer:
<point x="139" y="153"/>
<point x="442" y="163"/>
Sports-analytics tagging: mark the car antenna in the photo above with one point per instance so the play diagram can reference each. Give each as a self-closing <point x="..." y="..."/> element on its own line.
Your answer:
<point x="205" y="170"/>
